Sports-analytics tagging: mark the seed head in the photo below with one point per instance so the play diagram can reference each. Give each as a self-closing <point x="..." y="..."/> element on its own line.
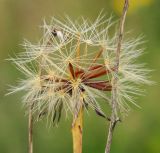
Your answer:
<point x="72" y="67"/>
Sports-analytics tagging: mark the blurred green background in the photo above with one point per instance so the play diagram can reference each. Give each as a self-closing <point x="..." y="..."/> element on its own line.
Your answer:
<point x="138" y="133"/>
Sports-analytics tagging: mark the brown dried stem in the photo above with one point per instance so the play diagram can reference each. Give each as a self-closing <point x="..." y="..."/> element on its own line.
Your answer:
<point x="114" y="117"/>
<point x="30" y="131"/>
<point x="30" y="119"/>
<point x="78" y="120"/>
<point x="77" y="127"/>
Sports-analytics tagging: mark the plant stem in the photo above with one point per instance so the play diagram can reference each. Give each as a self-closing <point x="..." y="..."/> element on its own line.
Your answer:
<point x="114" y="117"/>
<point x="30" y="131"/>
<point x="77" y="132"/>
<point x="110" y="134"/>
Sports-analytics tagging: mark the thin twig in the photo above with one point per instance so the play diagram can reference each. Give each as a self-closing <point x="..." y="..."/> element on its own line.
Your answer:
<point x="114" y="116"/>
<point x="30" y="118"/>
<point x="30" y="131"/>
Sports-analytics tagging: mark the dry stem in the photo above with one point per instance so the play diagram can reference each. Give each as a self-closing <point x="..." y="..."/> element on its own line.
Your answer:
<point x="77" y="132"/>
<point x="30" y="131"/>
<point x="114" y="117"/>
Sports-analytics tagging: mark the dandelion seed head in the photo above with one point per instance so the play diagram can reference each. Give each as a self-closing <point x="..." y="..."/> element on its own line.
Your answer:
<point x="73" y="65"/>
